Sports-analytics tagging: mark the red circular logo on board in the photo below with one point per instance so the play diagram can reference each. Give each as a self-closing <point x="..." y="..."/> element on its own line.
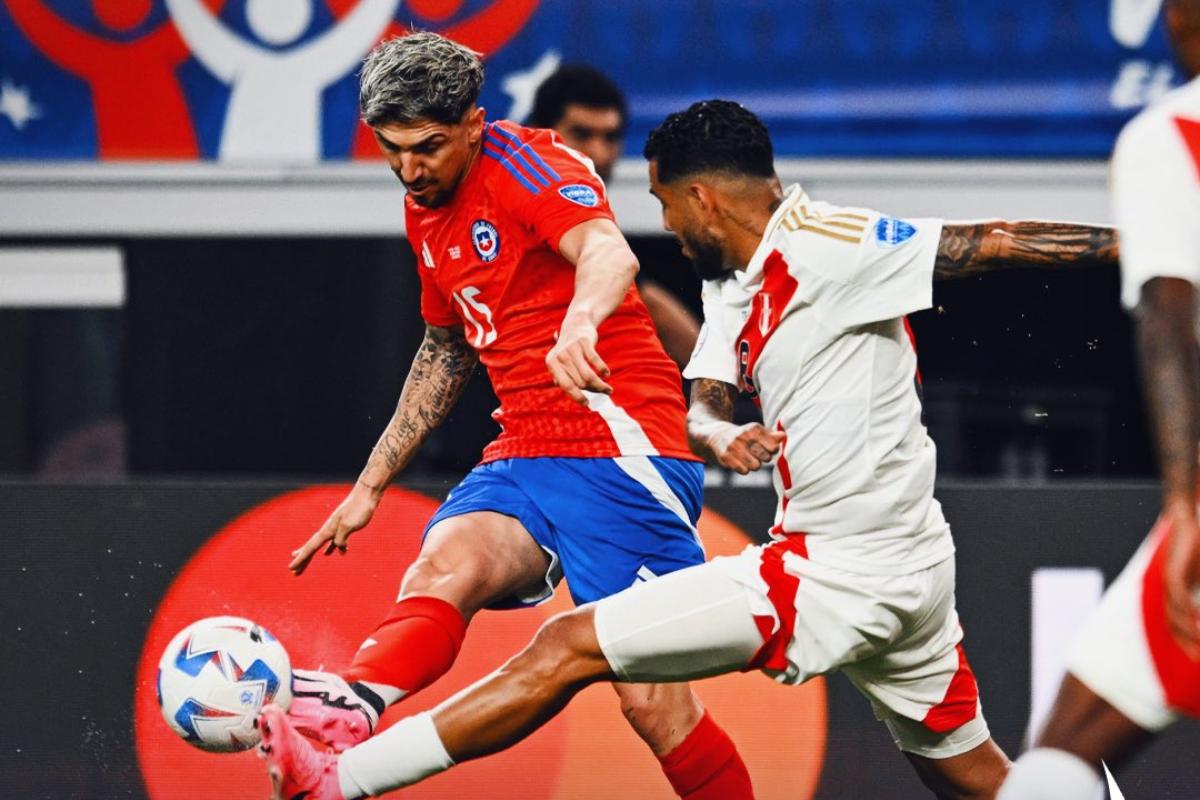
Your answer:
<point x="587" y="753"/>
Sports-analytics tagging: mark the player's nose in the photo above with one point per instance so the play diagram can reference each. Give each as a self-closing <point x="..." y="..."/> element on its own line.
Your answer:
<point x="410" y="168"/>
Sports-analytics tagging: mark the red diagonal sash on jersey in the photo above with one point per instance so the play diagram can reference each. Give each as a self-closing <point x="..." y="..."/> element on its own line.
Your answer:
<point x="1189" y="129"/>
<point x="766" y="310"/>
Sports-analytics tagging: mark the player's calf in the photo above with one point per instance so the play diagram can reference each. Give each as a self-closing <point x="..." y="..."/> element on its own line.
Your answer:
<point x="529" y="689"/>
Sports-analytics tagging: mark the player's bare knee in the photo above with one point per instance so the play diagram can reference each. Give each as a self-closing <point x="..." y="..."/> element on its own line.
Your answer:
<point x="565" y="651"/>
<point x="661" y="713"/>
<point x="638" y="704"/>
<point x="438" y="572"/>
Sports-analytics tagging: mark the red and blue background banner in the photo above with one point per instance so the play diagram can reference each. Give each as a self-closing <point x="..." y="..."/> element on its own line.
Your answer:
<point x="114" y="80"/>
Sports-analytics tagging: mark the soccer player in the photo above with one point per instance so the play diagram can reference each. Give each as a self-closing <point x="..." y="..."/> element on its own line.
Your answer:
<point x="522" y="268"/>
<point x="1135" y="668"/>
<point x="589" y="112"/>
<point x="804" y="308"/>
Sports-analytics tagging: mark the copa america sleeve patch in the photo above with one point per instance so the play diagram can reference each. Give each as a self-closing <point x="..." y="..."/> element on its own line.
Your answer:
<point x="580" y="194"/>
<point x="890" y="231"/>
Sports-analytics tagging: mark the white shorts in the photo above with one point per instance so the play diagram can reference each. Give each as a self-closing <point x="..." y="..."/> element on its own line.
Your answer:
<point x="1126" y="654"/>
<point x="896" y="637"/>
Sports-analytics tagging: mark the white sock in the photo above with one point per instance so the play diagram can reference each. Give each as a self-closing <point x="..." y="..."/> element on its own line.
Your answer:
<point x="1047" y="774"/>
<point x="388" y="694"/>
<point x="405" y="753"/>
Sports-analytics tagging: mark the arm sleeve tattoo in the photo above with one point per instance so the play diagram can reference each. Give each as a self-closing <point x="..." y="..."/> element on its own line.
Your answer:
<point x="441" y="368"/>
<point x="975" y="248"/>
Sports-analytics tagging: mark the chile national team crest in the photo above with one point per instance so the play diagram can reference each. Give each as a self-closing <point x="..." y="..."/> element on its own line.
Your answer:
<point x="485" y="239"/>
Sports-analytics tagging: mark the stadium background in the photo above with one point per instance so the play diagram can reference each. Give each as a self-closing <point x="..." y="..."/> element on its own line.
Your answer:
<point x="188" y="330"/>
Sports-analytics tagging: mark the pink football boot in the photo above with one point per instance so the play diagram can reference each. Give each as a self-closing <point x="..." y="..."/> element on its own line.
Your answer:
<point x="295" y="767"/>
<point x="325" y="709"/>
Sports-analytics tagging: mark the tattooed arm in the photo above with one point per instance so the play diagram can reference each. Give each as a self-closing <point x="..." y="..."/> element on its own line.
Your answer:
<point x="974" y="248"/>
<point x="1170" y="361"/>
<point x="440" y="370"/>
<point x="713" y="435"/>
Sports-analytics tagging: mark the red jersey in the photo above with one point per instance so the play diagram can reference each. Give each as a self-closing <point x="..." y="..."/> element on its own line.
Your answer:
<point x="489" y="262"/>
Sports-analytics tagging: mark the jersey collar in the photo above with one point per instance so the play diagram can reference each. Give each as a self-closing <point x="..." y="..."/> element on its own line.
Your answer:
<point x="752" y="274"/>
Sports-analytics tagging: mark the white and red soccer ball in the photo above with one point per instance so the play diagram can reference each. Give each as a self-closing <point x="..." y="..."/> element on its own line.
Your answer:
<point x="214" y="678"/>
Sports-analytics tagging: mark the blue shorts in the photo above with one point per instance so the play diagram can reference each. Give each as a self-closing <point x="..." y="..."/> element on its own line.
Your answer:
<point x="606" y="523"/>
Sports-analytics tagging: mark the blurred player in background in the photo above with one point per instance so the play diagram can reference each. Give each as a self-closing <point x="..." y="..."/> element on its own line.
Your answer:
<point x="804" y="309"/>
<point x="522" y="268"/>
<point x="1135" y="668"/>
<point x="589" y="112"/>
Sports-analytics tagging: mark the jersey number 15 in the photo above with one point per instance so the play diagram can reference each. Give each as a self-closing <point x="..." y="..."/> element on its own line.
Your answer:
<point x="477" y="314"/>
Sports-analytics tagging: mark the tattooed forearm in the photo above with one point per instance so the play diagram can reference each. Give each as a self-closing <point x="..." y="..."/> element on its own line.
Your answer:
<point x="712" y="399"/>
<point x="441" y="368"/>
<point x="712" y="402"/>
<point x="958" y="250"/>
<point x="394" y="442"/>
<point x="1170" y="361"/>
<point x="974" y="248"/>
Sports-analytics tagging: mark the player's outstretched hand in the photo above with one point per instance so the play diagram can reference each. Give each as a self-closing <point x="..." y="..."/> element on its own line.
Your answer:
<point x="574" y="363"/>
<point x="351" y="515"/>
<point x="747" y="447"/>
<point x="1181" y="578"/>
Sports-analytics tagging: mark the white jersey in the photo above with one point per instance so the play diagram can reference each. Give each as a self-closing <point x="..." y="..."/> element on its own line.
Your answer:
<point x="814" y="327"/>
<point x="1156" y="192"/>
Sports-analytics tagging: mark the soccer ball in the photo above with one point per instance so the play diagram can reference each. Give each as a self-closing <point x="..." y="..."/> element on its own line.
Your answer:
<point x="214" y="678"/>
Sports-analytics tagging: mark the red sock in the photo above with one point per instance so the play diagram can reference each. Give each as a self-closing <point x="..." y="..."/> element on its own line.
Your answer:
<point x="706" y="766"/>
<point x="414" y="646"/>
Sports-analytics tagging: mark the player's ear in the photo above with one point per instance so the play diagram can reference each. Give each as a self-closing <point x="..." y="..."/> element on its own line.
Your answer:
<point x="474" y="122"/>
<point x="702" y="199"/>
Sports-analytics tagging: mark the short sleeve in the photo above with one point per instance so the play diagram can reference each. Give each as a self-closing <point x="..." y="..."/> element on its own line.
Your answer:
<point x="713" y="357"/>
<point x="1156" y="204"/>
<point x="552" y="188"/>
<point x="881" y="271"/>
<point x="435" y="308"/>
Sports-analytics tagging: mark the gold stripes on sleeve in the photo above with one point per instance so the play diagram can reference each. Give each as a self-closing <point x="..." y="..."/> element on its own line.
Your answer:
<point x="843" y="226"/>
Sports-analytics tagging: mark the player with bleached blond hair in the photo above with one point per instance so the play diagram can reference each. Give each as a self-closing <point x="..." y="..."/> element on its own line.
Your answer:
<point x="522" y="268"/>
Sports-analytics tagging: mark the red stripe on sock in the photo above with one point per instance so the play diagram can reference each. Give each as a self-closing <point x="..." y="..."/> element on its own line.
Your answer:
<point x="414" y="646"/>
<point x="706" y="765"/>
